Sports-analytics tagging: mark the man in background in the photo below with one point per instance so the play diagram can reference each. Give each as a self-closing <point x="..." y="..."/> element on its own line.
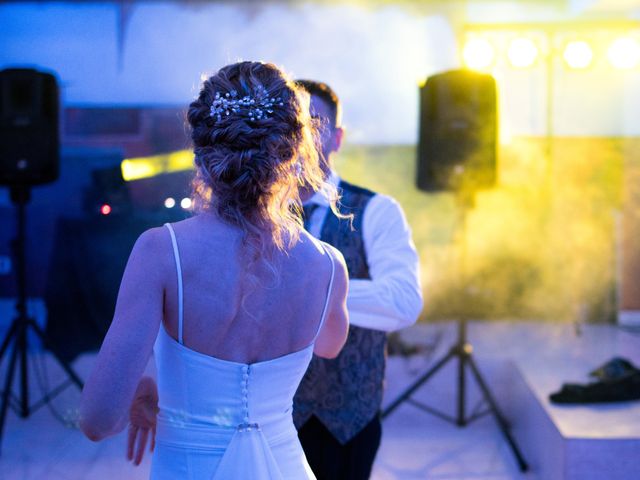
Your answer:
<point x="336" y="407"/>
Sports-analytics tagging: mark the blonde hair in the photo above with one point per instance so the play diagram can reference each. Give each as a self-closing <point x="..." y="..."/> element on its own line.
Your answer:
<point x="249" y="171"/>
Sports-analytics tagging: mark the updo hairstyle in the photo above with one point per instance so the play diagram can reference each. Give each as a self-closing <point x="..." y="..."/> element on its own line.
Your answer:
<point x="249" y="169"/>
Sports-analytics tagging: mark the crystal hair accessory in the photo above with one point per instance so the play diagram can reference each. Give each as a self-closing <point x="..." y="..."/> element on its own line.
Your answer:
<point x="256" y="107"/>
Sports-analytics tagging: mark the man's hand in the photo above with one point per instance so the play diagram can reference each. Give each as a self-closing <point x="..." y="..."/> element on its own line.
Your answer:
<point x="142" y="419"/>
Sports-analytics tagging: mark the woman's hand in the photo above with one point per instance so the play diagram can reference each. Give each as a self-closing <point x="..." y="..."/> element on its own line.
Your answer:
<point x="142" y="419"/>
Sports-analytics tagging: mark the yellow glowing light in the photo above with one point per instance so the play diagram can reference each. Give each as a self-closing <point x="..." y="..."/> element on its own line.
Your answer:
<point x="578" y="54"/>
<point x="145" y="167"/>
<point x="522" y="52"/>
<point x="136" y="168"/>
<point x="624" y="53"/>
<point x="478" y="54"/>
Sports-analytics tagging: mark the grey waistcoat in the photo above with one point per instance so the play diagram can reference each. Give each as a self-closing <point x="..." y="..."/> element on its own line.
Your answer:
<point x="345" y="393"/>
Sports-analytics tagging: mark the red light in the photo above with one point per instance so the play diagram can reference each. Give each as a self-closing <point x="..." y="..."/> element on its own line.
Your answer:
<point x="105" y="209"/>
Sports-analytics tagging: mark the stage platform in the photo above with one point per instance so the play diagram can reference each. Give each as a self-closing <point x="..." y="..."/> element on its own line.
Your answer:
<point x="522" y="361"/>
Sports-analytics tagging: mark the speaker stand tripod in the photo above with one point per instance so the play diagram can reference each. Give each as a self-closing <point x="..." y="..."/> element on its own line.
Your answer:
<point x="19" y="330"/>
<point x="461" y="350"/>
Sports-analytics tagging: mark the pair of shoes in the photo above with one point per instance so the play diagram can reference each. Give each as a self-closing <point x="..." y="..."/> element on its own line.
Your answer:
<point x="617" y="367"/>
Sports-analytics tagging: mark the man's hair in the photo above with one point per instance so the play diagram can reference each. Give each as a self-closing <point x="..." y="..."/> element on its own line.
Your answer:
<point x="326" y="94"/>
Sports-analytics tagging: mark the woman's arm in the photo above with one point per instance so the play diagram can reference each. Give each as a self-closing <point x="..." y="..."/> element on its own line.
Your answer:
<point x="109" y="391"/>
<point x="333" y="334"/>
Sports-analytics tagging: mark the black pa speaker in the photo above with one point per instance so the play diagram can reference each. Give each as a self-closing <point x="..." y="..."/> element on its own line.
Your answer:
<point x="458" y="131"/>
<point x="29" y="134"/>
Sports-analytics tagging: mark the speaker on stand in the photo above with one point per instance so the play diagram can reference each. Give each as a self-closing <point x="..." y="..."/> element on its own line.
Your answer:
<point x="457" y="153"/>
<point x="29" y="155"/>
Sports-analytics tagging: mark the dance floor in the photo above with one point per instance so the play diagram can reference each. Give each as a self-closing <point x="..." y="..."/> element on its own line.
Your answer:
<point x="535" y="358"/>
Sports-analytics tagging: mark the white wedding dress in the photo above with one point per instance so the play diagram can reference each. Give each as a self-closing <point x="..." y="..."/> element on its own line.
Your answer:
<point x="225" y="420"/>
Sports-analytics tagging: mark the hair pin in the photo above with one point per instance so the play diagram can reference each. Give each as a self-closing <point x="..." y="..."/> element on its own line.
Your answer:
<point x="255" y="107"/>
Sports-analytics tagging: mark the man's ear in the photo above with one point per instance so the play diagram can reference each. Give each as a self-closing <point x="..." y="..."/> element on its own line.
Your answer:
<point x="338" y="135"/>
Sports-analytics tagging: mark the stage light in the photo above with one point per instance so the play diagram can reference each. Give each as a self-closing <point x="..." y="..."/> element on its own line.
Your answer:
<point x="135" y="168"/>
<point x="145" y="167"/>
<point x="478" y="54"/>
<point x="578" y="54"/>
<point x="624" y="53"/>
<point x="105" y="209"/>
<point x="170" y="202"/>
<point x="185" y="203"/>
<point x="522" y="52"/>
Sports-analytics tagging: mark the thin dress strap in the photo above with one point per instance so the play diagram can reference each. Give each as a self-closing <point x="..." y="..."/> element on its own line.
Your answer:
<point x="176" y="255"/>
<point x="326" y="303"/>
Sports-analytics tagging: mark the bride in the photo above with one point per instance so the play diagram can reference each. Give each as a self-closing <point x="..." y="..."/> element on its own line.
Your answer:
<point x="234" y="300"/>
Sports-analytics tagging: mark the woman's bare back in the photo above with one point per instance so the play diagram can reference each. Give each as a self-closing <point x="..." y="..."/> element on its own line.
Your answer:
<point x="241" y="310"/>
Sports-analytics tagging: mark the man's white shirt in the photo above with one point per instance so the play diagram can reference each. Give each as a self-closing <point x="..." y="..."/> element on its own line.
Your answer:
<point x="392" y="298"/>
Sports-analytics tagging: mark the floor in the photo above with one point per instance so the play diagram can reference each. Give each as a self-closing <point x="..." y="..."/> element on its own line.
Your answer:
<point x="415" y="444"/>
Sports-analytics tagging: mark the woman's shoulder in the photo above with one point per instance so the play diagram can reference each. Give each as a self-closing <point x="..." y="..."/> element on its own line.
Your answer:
<point x="320" y="249"/>
<point x="153" y="238"/>
<point x="179" y="225"/>
<point x="205" y="225"/>
<point x="160" y="240"/>
<point x="154" y="244"/>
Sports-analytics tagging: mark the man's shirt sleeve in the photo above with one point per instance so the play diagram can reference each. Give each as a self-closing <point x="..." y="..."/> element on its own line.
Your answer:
<point x="392" y="298"/>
